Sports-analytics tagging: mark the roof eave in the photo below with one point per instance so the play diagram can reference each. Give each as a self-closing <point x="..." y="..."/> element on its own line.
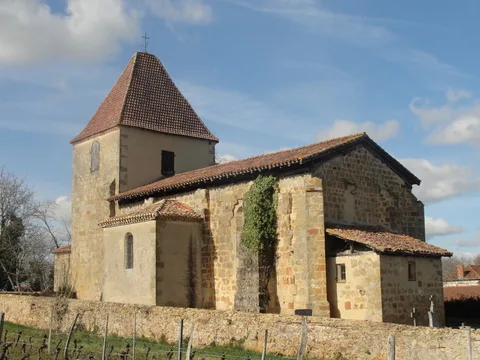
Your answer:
<point x="240" y="176"/>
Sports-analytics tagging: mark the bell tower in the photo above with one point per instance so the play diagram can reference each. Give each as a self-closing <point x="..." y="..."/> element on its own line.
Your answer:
<point x="144" y="130"/>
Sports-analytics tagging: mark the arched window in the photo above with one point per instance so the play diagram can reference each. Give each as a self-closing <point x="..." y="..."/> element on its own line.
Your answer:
<point x="129" y="251"/>
<point x="95" y="156"/>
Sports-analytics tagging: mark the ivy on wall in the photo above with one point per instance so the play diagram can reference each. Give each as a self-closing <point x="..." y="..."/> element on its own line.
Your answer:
<point x="260" y="214"/>
<point x="259" y="233"/>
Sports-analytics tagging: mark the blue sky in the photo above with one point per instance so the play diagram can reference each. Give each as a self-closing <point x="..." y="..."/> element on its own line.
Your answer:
<point x="264" y="75"/>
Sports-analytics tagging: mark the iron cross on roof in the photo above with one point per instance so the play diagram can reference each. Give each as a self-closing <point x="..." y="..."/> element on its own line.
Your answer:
<point x="145" y="43"/>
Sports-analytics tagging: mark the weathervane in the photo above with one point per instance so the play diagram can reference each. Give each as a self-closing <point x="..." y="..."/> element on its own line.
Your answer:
<point x="145" y="43"/>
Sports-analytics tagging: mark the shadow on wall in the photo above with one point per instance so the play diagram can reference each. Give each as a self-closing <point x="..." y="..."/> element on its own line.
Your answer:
<point x="463" y="311"/>
<point x="208" y="256"/>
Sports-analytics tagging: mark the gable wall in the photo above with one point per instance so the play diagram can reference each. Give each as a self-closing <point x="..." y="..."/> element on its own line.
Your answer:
<point x="89" y="208"/>
<point x="360" y="188"/>
<point x="141" y="155"/>
<point x="400" y="296"/>
<point x="137" y="285"/>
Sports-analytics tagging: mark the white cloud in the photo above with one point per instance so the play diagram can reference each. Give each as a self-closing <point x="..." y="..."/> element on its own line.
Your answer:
<point x="465" y="129"/>
<point x="378" y="132"/>
<point x="474" y="242"/>
<point x="90" y="30"/>
<point x="223" y="159"/>
<point x="63" y="210"/>
<point x="454" y="95"/>
<point x="439" y="226"/>
<point x="87" y="31"/>
<point x="440" y="182"/>
<point x="452" y="124"/>
<point x="182" y="11"/>
<point x="316" y="18"/>
<point x="360" y="31"/>
<point x="430" y="115"/>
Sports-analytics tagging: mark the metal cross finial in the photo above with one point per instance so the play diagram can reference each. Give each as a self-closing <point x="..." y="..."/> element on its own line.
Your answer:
<point x="145" y="44"/>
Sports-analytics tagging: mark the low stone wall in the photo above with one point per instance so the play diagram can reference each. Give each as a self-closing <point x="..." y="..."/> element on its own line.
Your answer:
<point x="327" y="338"/>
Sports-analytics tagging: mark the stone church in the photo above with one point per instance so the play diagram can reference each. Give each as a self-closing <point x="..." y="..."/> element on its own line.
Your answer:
<point x="155" y="221"/>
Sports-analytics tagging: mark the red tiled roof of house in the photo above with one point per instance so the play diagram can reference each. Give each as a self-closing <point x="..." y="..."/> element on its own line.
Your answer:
<point x="146" y="97"/>
<point x="63" y="250"/>
<point x="283" y="159"/>
<point x="458" y="292"/>
<point x="165" y="209"/>
<point x="386" y="242"/>
<point x="472" y="272"/>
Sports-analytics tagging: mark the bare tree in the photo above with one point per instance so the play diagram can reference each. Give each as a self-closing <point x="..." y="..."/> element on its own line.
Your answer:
<point x="29" y="232"/>
<point x="17" y="205"/>
<point x="55" y="229"/>
<point x="476" y="260"/>
<point x="449" y="265"/>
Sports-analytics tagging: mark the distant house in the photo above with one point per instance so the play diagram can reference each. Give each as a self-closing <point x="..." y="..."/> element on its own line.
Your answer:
<point x="464" y="283"/>
<point x="464" y="276"/>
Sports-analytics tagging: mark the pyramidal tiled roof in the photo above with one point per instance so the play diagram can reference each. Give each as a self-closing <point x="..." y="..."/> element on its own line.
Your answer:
<point x="146" y="97"/>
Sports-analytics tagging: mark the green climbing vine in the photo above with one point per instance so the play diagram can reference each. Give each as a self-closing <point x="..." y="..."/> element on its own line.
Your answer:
<point x="260" y="211"/>
<point x="259" y="233"/>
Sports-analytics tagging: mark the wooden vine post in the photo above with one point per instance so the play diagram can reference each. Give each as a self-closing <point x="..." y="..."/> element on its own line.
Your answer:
<point x="180" y="339"/>
<point x="104" y="348"/>
<point x="303" y="340"/>
<point x="2" y="318"/>
<point x="265" y="339"/>
<point x="134" y="335"/>
<point x="65" y="351"/>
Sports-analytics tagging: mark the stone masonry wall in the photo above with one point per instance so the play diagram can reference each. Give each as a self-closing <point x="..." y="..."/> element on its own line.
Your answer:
<point x="61" y="271"/>
<point x="360" y="188"/>
<point x="89" y="208"/>
<point x="227" y="269"/>
<point x="400" y="296"/>
<point x="360" y="296"/>
<point x="327" y="338"/>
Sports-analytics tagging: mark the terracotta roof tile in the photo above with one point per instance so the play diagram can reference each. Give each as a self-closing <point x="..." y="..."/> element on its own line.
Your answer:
<point x="282" y="159"/>
<point x="146" y="97"/>
<point x="461" y="292"/>
<point x="63" y="250"/>
<point x="165" y="209"/>
<point x="386" y="242"/>
<point x="472" y="272"/>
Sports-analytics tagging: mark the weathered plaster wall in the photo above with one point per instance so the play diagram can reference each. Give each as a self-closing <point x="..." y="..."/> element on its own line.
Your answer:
<point x="178" y="264"/>
<point x="400" y="296"/>
<point x="141" y="155"/>
<point x="137" y="285"/>
<point x="360" y="296"/>
<point x="61" y="271"/>
<point x="89" y="207"/>
<point x="327" y="338"/>
<point x="360" y="188"/>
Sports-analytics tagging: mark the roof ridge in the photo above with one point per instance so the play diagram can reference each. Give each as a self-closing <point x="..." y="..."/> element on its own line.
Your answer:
<point x="134" y="58"/>
<point x="356" y="136"/>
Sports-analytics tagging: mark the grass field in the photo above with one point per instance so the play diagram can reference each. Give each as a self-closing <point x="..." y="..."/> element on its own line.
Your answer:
<point x="85" y="345"/>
